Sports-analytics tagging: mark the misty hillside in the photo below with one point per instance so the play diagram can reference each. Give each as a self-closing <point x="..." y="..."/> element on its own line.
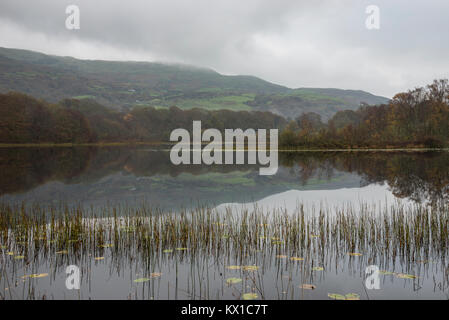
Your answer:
<point x="126" y="85"/>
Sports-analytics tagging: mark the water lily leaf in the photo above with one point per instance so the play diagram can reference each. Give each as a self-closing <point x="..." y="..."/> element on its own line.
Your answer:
<point x="281" y="257"/>
<point x="19" y="257"/>
<point x="424" y="261"/>
<point x="10" y="253"/>
<point x="307" y="286"/>
<point x="181" y="249"/>
<point x="233" y="280"/>
<point x="155" y="274"/>
<point x="277" y="242"/>
<point x="354" y="254"/>
<point x="249" y="296"/>
<point x="62" y="252"/>
<point x="275" y="239"/>
<point x="317" y="269"/>
<point x="3" y="247"/>
<point x="336" y="296"/>
<point x="233" y="267"/>
<point x="167" y="251"/>
<point x="99" y="258"/>
<point x="314" y="236"/>
<point x="352" y="296"/>
<point x="35" y="276"/>
<point x="405" y="276"/>
<point x="140" y="280"/>
<point x="296" y="259"/>
<point x="250" y="268"/>
<point x="385" y="273"/>
<point x="106" y="245"/>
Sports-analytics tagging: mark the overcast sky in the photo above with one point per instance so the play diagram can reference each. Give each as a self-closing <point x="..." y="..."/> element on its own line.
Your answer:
<point x="315" y="43"/>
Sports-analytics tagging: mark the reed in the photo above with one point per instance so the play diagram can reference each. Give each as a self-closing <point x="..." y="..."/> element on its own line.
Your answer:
<point x="251" y="241"/>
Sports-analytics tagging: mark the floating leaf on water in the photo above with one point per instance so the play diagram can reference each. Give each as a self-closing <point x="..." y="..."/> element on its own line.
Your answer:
<point x="62" y="252"/>
<point x="424" y="261"/>
<point x="10" y="253"/>
<point x="181" y="249"/>
<point x="250" y="268"/>
<point x="314" y="235"/>
<point x="336" y="296"/>
<point x="36" y="276"/>
<point x="106" y="245"/>
<point x="233" y="267"/>
<point x="354" y="254"/>
<point x="352" y="296"/>
<point x="167" y="251"/>
<point x="249" y="296"/>
<point x="307" y="286"/>
<point x="296" y="259"/>
<point x="317" y="269"/>
<point x="275" y="239"/>
<point x="277" y="242"/>
<point x="140" y="280"/>
<point x="280" y="256"/>
<point x="405" y="276"/>
<point x="99" y="258"/>
<point x="233" y="280"/>
<point x="152" y="276"/>
<point x="155" y="274"/>
<point x="19" y="257"/>
<point x="385" y="273"/>
<point x="3" y="247"/>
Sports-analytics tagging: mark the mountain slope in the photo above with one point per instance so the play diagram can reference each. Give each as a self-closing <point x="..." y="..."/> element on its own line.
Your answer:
<point x="133" y="84"/>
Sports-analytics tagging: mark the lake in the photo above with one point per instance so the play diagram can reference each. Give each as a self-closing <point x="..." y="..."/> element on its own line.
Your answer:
<point x="223" y="232"/>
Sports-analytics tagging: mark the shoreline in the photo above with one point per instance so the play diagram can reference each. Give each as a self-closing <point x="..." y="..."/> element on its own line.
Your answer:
<point x="133" y="144"/>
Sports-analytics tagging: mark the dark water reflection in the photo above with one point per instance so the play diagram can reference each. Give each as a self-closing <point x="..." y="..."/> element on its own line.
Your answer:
<point x="95" y="176"/>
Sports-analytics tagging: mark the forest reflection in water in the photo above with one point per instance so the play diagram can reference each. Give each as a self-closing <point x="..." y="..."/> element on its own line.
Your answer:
<point x="97" y="175"/>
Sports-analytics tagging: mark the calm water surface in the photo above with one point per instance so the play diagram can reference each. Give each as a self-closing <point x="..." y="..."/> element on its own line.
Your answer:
<point x="94" y="178"/>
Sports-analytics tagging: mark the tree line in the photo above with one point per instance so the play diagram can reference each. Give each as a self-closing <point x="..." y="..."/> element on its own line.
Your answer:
<point x="24" y="119"/>
<point x="417" y="118"/>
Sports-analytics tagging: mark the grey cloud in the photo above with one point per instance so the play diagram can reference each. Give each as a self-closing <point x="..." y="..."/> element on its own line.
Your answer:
<point x="320" y="43"/>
